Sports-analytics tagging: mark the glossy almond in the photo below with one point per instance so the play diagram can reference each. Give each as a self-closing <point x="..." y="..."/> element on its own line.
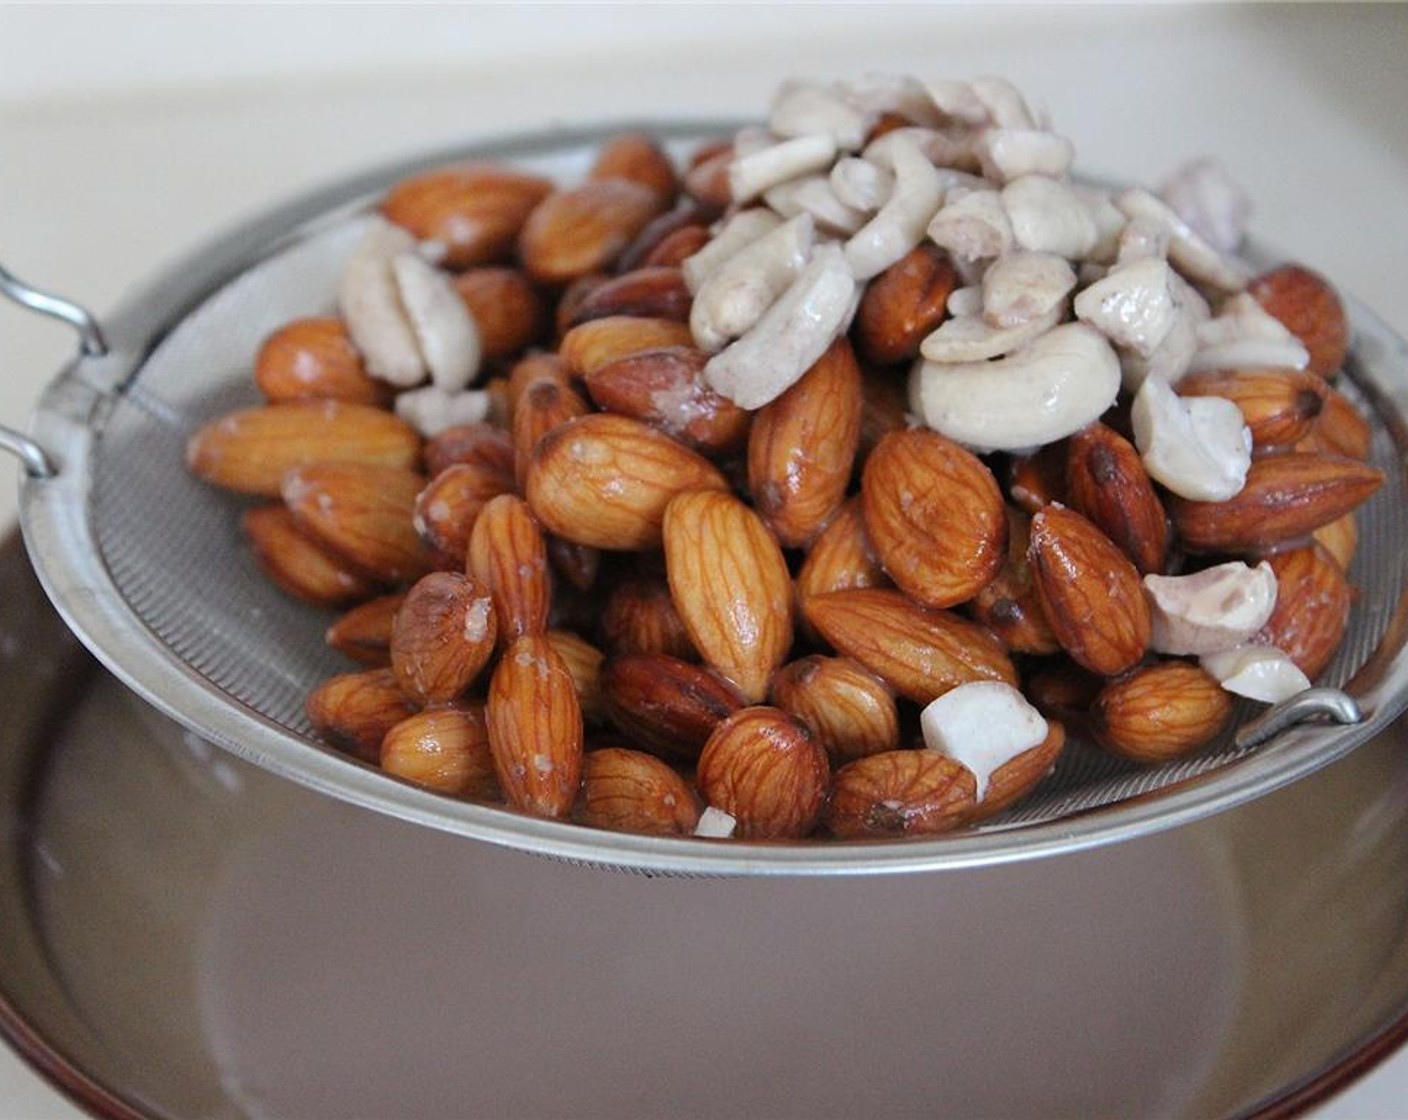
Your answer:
<point x="584" y="229"/>
<point x="315" y="359"/>
<point x="251" y="450"/>
<point x="935" y="515"/>
<point x="900" y="793"/>
<point x="849" y="709"/>
<point x="577" y="564"/>
<point x="1009" y="606"/>
<point x="447" y="508"/>
<point x="1036" y="480"/>
<point x="636" y="157"/>
<point x="904" y="304"/>
<point x="1089" y="591"/>
<point x="354" y="711"/>
<point x="605" y="480"/>
<point x="766" y="770"/>
<point x="588" y="346"/>
<point x="543" y="406"/>
<point x="841" y="558"/>
<point x="363" y="633"/>
<point x="363" y="512"/>
<point x="480" y="443"/>
<point x="1160" y="712"/>
<point x="474" y="210"/>
<point x="1106" y="481"/>
<point x="583" y="661"/>
<point x="506" y="307"/>
<point x="665" y="705"/>
<point x="298" y="564"/>
<point x="1279" y="406"/>
<point x="652" y="241"/>
<point x="706" y="178"/>
<point x="677" y="246"/>
<point x="535" y="728"/>
<point x="507" y="554"/>
<point x="1310" y="308"/>
<point x="1340" y="538"/>
<point x="442" y="637"/>
<point x="1313" y="599"/>
<point x="640" y="617"/>
<point x="630" y="791"/>
<point x="730" y="585"/>
<point x="921" y="652"/>
<point x="802" y="447"/>
<point x="651" y="293"/>
<point x="1019" y="776"/>
<point x="1342" y="428"/>
<point x="444" y="748"/>
<point x="1062" y="689"/>
<point x="1287" y="495"/>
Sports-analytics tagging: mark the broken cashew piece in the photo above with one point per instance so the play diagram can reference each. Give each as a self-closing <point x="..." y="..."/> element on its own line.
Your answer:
<point x="1262" y="673"/>
<point x="1244" y="334"/>
<point x="1217" y="609"/>
<point x="737" y="293"/>
<point x="1195" y="257"/>
<point x="1048" y="216"/>
<point x="445" y="332"/>
<point x="971" y="338"/>
<point x="973" y="226"/>
<point x="1021" y="286"/>
<point x="899" y="226"/>
<point x="983" y="725"/>
<point x="371" y="306"/>
<point x="431" y="409"/>
<point x="750" y="175"/>
<point x="732" y="237"/>
<point x="1132" y="306"/>
<point x="808" y="108"/>
<point x="1199" y="447"/>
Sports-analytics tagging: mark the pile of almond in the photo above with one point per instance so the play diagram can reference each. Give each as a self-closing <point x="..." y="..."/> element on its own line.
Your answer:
<point x="809" y="487"/>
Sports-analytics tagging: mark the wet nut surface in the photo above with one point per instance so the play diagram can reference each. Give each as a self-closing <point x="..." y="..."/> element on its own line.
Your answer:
<point x="807" y="485"/>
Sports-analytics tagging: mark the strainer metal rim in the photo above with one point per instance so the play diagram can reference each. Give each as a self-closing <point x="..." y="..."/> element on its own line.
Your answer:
<point x="62" y="542"/>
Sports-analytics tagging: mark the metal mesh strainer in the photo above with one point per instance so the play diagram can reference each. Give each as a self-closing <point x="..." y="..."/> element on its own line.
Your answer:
<point x="148" y="566"/>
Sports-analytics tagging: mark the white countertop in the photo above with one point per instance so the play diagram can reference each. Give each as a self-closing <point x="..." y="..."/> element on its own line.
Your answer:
<point x="127" y="136"/>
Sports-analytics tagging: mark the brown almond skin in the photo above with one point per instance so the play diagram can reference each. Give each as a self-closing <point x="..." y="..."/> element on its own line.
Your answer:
<point x="251" y="450"/>
<point x="636" y="157"/>
<point x="900" y="793"/>
<point x="1313" y="599"/>
<point x="363" y="512"/>
<point x="364" y="632"/>
<point x="631" y="791"/>
<point x="442" y="637"/>
<point x="507" y="554"/>
<point x="706" y="178"/>
<point x="588" y="346"/>
<point x="904" y="304"/>
<point x="475" y="210"/>
<point x="766" y="770"/>
<point x="1160" y="712"/>
<point x="605" y="480"/>
<point x="1342" y="428"/>
<point x="577" y="564"/>
<point x="1009" y="606"/>
<point x="481" y="444"/>
<point x="640" y="617"/>
<point x="530" y="370"/>
<point x="1089" y="591"/>
<point x="1035" y="481"/>
<point x="849" y="709"/>
<point x="665" y="705"/>
<point x="841" y="558"/>
<point x="444" y="748"/>
<point x="298" y="564"/>
<point x="1106" y="481"/>
<point x="535" y="728"/>
<point x="1061" y="689"/>
<point x="886" y="410"/>
<point x="652" y="293"/>
<point x="583" y="661"/>
<point x="583" y="229"/>
<point x="921" y="652"/>
<point x="935" y="515"/>
<point x="686" y="217"/>
<point x="802" y="447"/>
<point x="315" y="359"/>
<point x="449" y="504"/>
<point x="677" y="246"/>
<point x="507" y="309"/>
<point x="543" y="406"/>
<point x="1014" y="779"/>
<point x="1310" y="308"/>
<point x="730" y="585"/>
<point x="1279" y="406"/>
<point x="665" y="388"/>
<point x="1340" y="538"/>
<point x="1287" y="495"/>
<point x="354" y="711"/>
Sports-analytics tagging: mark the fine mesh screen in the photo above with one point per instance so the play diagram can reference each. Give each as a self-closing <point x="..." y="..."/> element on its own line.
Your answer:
<point x="176" y="554"/>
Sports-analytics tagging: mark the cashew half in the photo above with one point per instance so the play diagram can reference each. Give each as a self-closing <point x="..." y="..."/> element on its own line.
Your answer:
<point x="1205" y="196"/>
<point x="1210" y="611"/>
<point x="1262" y="673"/>
<point x="899" y="226"/>
<point x="971" y="338"/>
<point x="983" y="725"/>
<point x="1009" y="153"/>
<point x="893" y="93"/>
<point x="445" y="332"/>
<point x="742" y="229"/>
<point x="861" y="184"/>
<point x="972" y="226"/>
<point x="1021" y="286"/>
<point x="1132" y="306"/>
<point x="1199" y="447"/>
<point x="807" y="108"/>
<point x="1048" y="216"/>
<point x="737" y="293"/>
<point x="1243" y="334"/>
<point x="752" y="174"/>
<point x="1190" y="253"/>
<point x="814" y="195"/>
<point x="1054" y="386"/>
<point x="371" y="306"/>
<point x="431" y="409"/>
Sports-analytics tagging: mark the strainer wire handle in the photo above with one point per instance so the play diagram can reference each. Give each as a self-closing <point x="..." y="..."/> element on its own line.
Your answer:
<point x="37" y="462"/>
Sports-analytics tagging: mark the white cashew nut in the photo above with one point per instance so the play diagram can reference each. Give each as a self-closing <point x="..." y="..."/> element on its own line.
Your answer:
<point x="860" y="184"/>
<point x="737" y="293"/>
<point x="1191" y="254"/>
<point x="1009" y="153"/>
<point x="1132" y="306"/>
<point x="445" y="332"/>
<point x="983" y="725"/>
<point x="1021" y="286"/>
<point x="371" y="306"/>
<point x="807" y="108"/>
<point x="1199" y="447"/>
<point x="900" y="224"/>
<point x="971" y="338"/>
<point x="750" y="175"/>
<point x="1048" y="216"/>
<point x="973" y="226"/>
<point x="1244" y="334"/>
<point x="742" y="229"/>
<point x="1210" y="611"/>
<point x="431" y="409"/>
<point x="1262" y="673"/>
<point x="813" y="195"/>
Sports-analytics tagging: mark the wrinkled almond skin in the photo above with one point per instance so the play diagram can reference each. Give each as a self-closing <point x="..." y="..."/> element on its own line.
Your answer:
<point x="649" y="244"/>
<point x="1313" y="598"/>
<point x="588" y="346"/>
<point x="664" y="705"/>
<point x="1279" y="406"/>
<point x="935" y="516"/>
<point x="354" y="711"/>
<point x="1340" y="538"/>
<point x="1160" y="712"/>
<point x="1287" y="495"/>
<point x="475" y="210"/>
<point x="442" y="637"/>
<point x="651" y="293"/>
<point x="904" y="304"/>
<point x="1342" y="428"/>
<point x="849" y="709"/>
<point x="364" y="632"/>
<point x="1106" y="481"/>
<point x="1089" y="591"/>
<point x="677" y="246"/>
<point x="605" y="480"/>
<point x="900" y="793"/>
<point x="298" y="564"/>
<point x="506" y="308"/>
<point x="535" y="728"/>
<point x="766" y="770"/>
<point x="543" y="406"/>
<point x="730" y="585"/>
<point x="841" y="558"/>
<point x="251" y="450"/>
<point x="665" y="388"/>
<point x="637" y="158"/>
<point x="1014" y="779"/>
<point x="481" y="444"/>
<point x="1036" y="480"/>
<point x="640" y="617"/>
<point x="447" y="508"/>
<point x="315" y="359"/>
<point x="363" y="512"/>
<point x="585" y="228"/>
<point x="583" y="661"/>
<point x="802" y="447"/>
<point x="1307" y="306"/>
<point x="921" y="652"/>
<point x="630" y="791"/>
<point x="507" y="554"/>
<point x="1008" y="606"/>
<point x="706" y="178"/>
<point x="444" y="748"/>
